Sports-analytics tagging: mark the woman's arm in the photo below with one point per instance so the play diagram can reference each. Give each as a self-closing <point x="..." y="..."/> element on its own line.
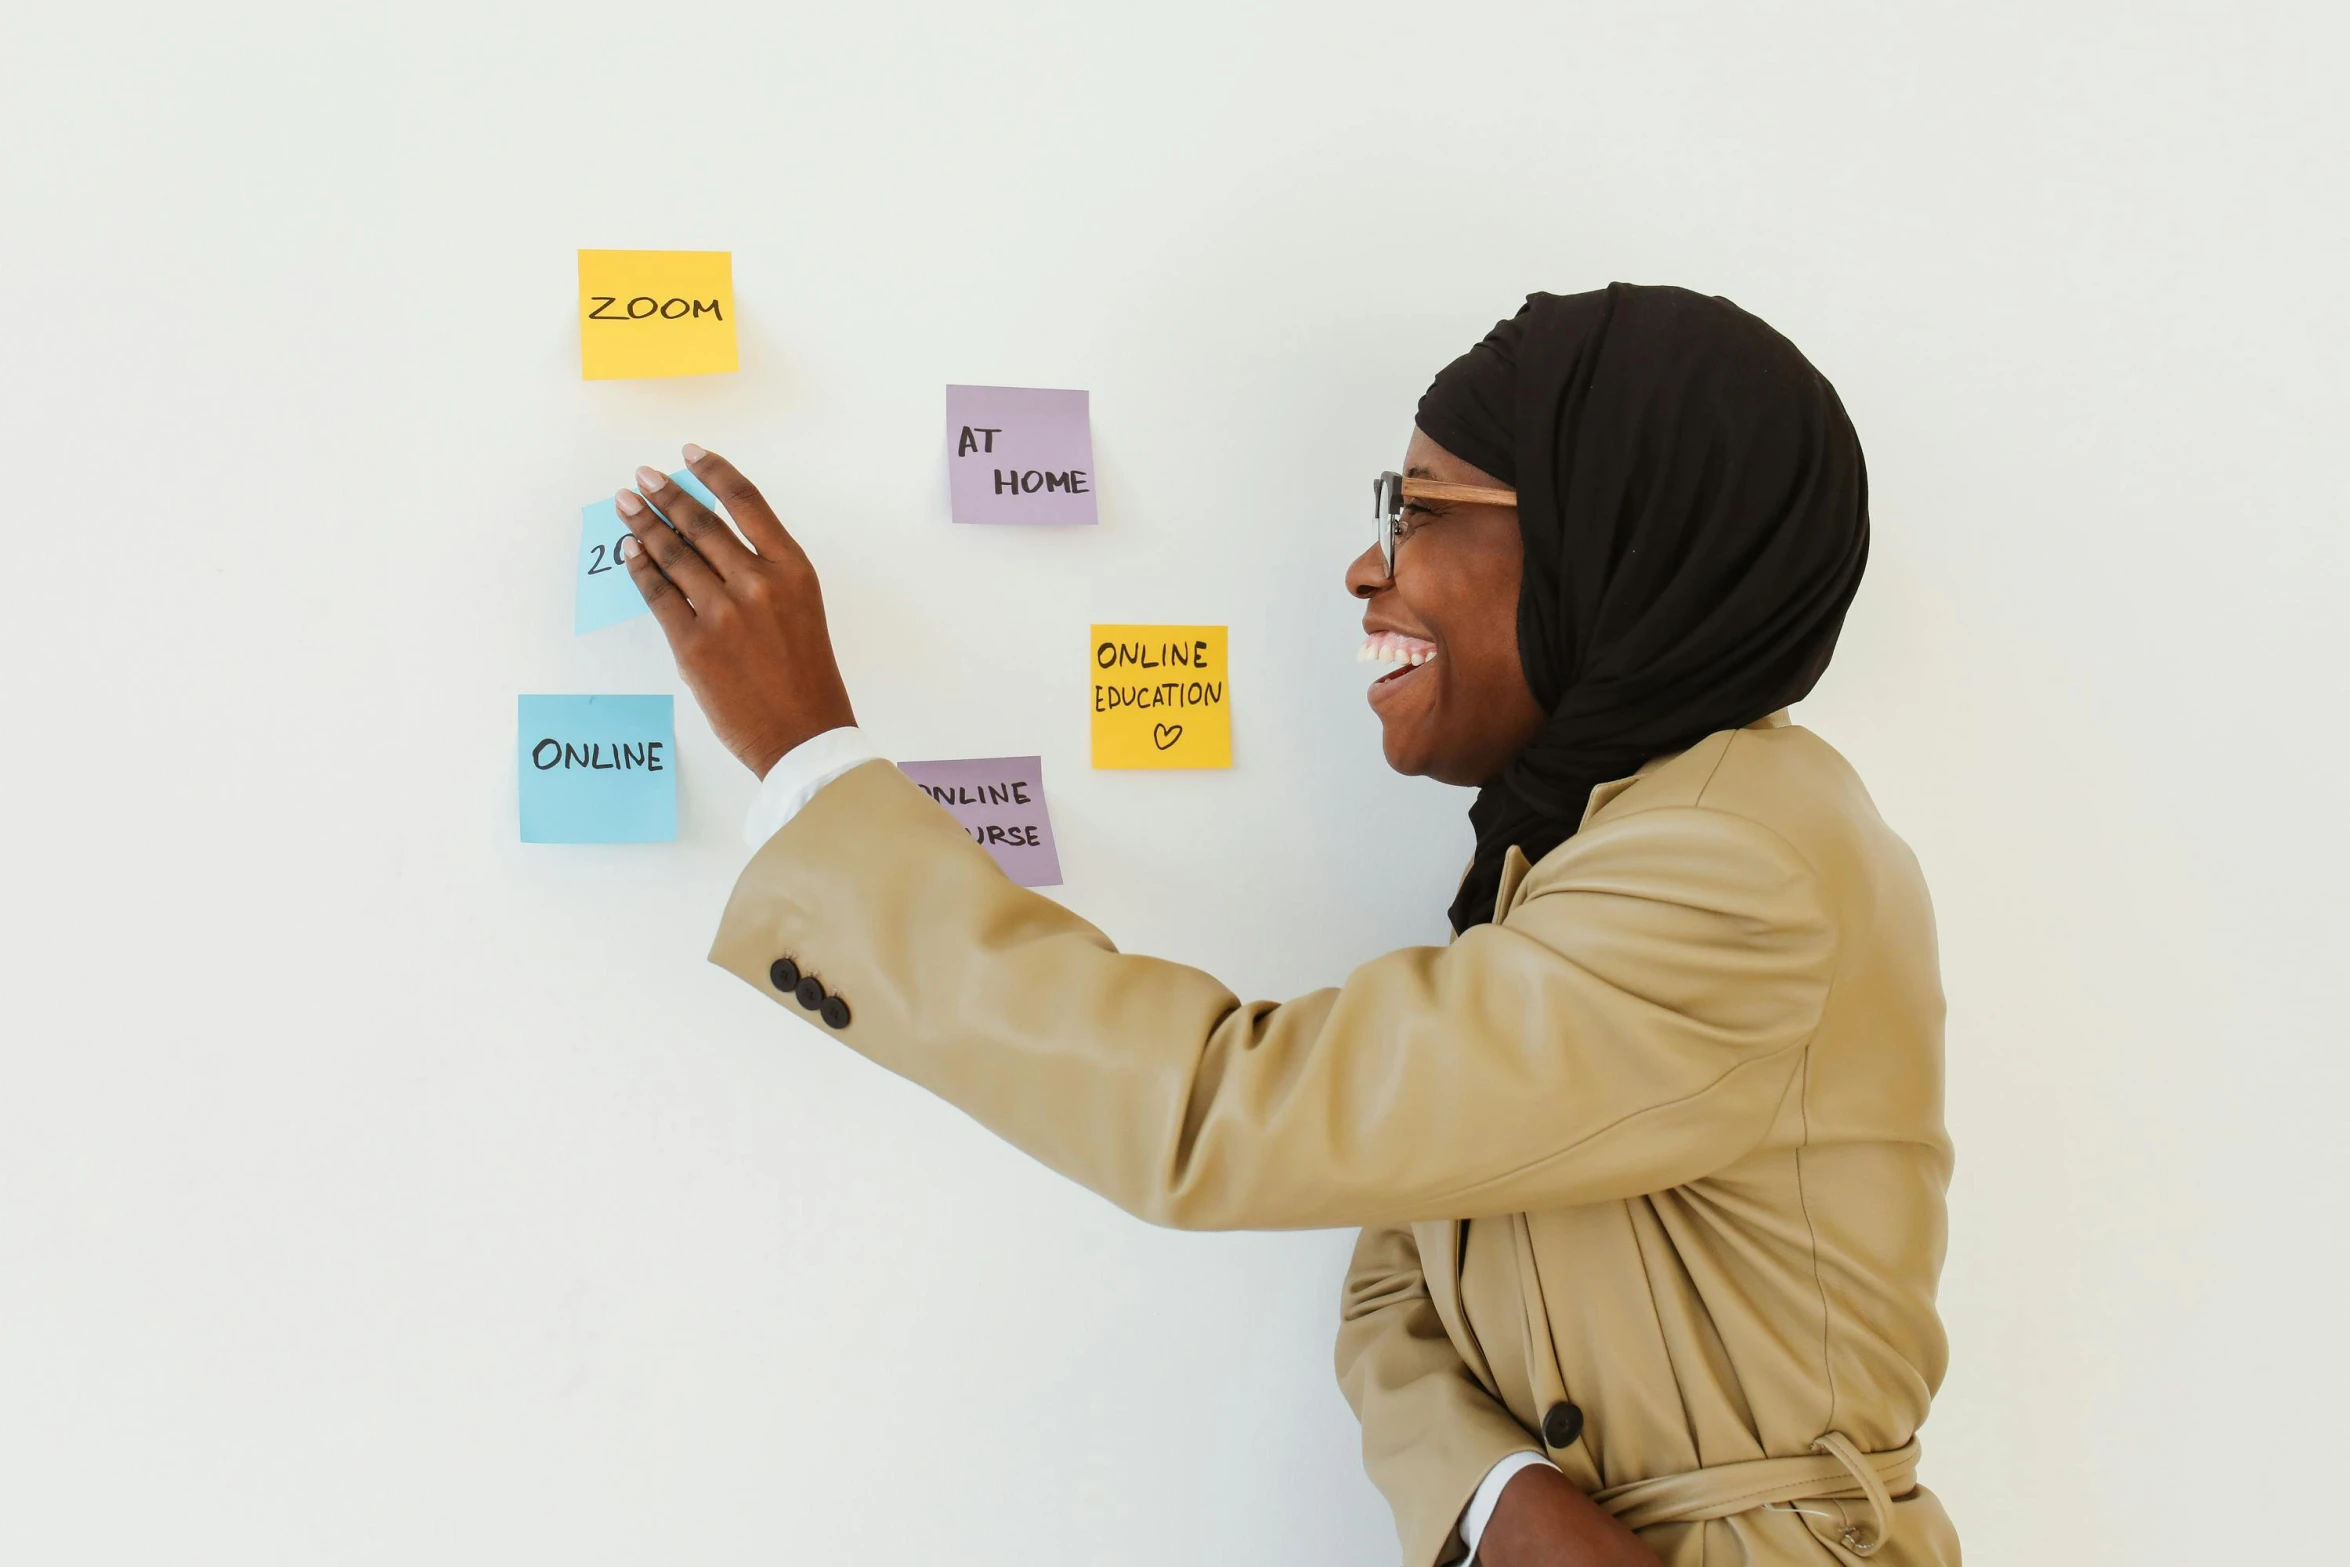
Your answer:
<point x="1430" y="1430"/>
<point x="1634" y="1026"/>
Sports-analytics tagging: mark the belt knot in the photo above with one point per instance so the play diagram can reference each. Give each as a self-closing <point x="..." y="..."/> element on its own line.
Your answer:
<point x="1835" y="1470"/>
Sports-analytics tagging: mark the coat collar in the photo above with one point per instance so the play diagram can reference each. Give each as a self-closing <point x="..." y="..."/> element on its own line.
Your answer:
<point x="1515" y="865"/>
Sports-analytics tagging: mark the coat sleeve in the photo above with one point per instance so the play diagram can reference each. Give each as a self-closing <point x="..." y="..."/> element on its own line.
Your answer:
<point x="1430" y="1430"/>
<point x="1633" y="1026"/>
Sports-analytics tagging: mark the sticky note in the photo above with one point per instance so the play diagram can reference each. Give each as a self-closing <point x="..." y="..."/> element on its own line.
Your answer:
<point x="655" y="313"/>
<point x="1160" y="697"/>
<point x="597" y="769"/>
<point x="1000" y="802"/>
<point x="1019" y="454"/>
<point x="607" y="594"/>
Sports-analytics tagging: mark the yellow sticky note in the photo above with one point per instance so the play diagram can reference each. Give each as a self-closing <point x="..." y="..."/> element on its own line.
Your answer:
<point x="1160" y="697"/>
<point x="655" y="312"/>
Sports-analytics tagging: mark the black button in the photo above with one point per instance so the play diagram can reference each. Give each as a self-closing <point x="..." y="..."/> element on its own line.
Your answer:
<point x="1562" y="1425"/>
<point x="784" y="975"/>
<point x="808" y="993"/>
<point x="835" y="1012"/>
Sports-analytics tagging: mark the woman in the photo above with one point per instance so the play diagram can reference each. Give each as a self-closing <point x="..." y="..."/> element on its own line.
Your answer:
<point x="1649" y="1161"/>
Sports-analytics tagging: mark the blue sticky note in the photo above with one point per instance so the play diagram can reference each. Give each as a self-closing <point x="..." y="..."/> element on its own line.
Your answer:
<point x="607" y="594"/>
<point x="597" y="769"/>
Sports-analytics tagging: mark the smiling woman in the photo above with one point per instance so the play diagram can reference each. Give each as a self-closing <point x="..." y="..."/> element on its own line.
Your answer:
<point x="1649" y="1161"/>
<point x="1460" y="708"/>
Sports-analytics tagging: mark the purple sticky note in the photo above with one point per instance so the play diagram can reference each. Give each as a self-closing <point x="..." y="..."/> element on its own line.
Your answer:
<point x="1019" y="454"/>
<point x="1000" y="802"/>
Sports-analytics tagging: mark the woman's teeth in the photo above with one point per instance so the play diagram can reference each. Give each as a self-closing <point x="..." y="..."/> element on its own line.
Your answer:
<point x="1387" y="647"/>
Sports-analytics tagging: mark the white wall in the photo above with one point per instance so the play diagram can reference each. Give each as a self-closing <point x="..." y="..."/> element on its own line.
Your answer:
<point x="374" y="1189"/>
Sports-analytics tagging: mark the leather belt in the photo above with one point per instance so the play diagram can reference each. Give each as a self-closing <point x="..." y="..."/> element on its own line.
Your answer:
<point x="1834" y="1471"/>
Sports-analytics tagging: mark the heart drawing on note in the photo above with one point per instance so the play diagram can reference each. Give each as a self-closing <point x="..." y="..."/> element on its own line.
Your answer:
<point x="1165" y="735"/>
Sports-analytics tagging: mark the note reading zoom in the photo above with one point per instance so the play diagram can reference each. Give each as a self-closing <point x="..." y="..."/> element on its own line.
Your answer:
<point x="655" y="313"/>
<point x="1159" y="697"/>
<point x="664" y="309"/>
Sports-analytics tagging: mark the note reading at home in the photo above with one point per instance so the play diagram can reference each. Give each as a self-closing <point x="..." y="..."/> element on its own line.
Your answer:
<point x="1159" y="697"/>
<point x="655" y="313"/>
<point x="1019" y="454"/>
<point x="597" y="769"/>
<point x="607" y="593"/>
<point x="1000" y="802"/>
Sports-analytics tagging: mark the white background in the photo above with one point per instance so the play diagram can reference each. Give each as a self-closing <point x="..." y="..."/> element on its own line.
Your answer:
<point x="377" y="1189"/>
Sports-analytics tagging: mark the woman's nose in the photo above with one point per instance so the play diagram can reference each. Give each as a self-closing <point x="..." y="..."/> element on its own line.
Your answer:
<point x="1367" y="574"/>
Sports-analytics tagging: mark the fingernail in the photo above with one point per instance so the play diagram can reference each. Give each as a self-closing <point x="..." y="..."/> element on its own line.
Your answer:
<point x="628" y="503"/>
<point x="694" y="453"/>
<point x="647" y="479"/>
<point x="630" y="549"/>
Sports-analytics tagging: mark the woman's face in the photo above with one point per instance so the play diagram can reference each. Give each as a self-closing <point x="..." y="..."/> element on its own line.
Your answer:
<point x="1462" y="712"/>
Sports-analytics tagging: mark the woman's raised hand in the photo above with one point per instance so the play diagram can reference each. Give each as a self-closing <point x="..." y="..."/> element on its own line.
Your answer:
<point x="745" y="619"/>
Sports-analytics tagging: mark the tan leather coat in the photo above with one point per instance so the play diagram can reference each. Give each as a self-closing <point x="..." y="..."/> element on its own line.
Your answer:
<point x="1650" y="1170"/>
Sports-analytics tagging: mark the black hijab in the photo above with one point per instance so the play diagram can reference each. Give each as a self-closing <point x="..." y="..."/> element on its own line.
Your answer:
<point x="1696" y="518"/>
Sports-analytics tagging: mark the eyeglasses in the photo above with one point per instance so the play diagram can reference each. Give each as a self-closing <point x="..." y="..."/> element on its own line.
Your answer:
<point x="1390" y="490"/>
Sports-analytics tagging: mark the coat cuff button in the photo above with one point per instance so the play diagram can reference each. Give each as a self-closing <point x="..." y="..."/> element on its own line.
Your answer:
<point x="835" y="1012"/>
<point x="1562" y="1425"/>
<point x="808" y="993"/>
<point x="784" y="975"/>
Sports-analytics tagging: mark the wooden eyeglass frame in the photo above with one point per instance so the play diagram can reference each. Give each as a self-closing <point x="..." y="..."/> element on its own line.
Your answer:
<point x="1390" y="490"/>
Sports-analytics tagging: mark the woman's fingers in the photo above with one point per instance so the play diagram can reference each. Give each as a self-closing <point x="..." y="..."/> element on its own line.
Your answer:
<point x="678" y="561"/>
<point x="748" y="630"/>
<point x="709" y="535"/>
<point x="661" y="595"/>
<point x="743" y="503"/>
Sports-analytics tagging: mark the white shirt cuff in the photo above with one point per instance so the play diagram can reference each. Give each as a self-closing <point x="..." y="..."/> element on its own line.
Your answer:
<point x="1480" y="1508"/>
<point x="796" y="776"/>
